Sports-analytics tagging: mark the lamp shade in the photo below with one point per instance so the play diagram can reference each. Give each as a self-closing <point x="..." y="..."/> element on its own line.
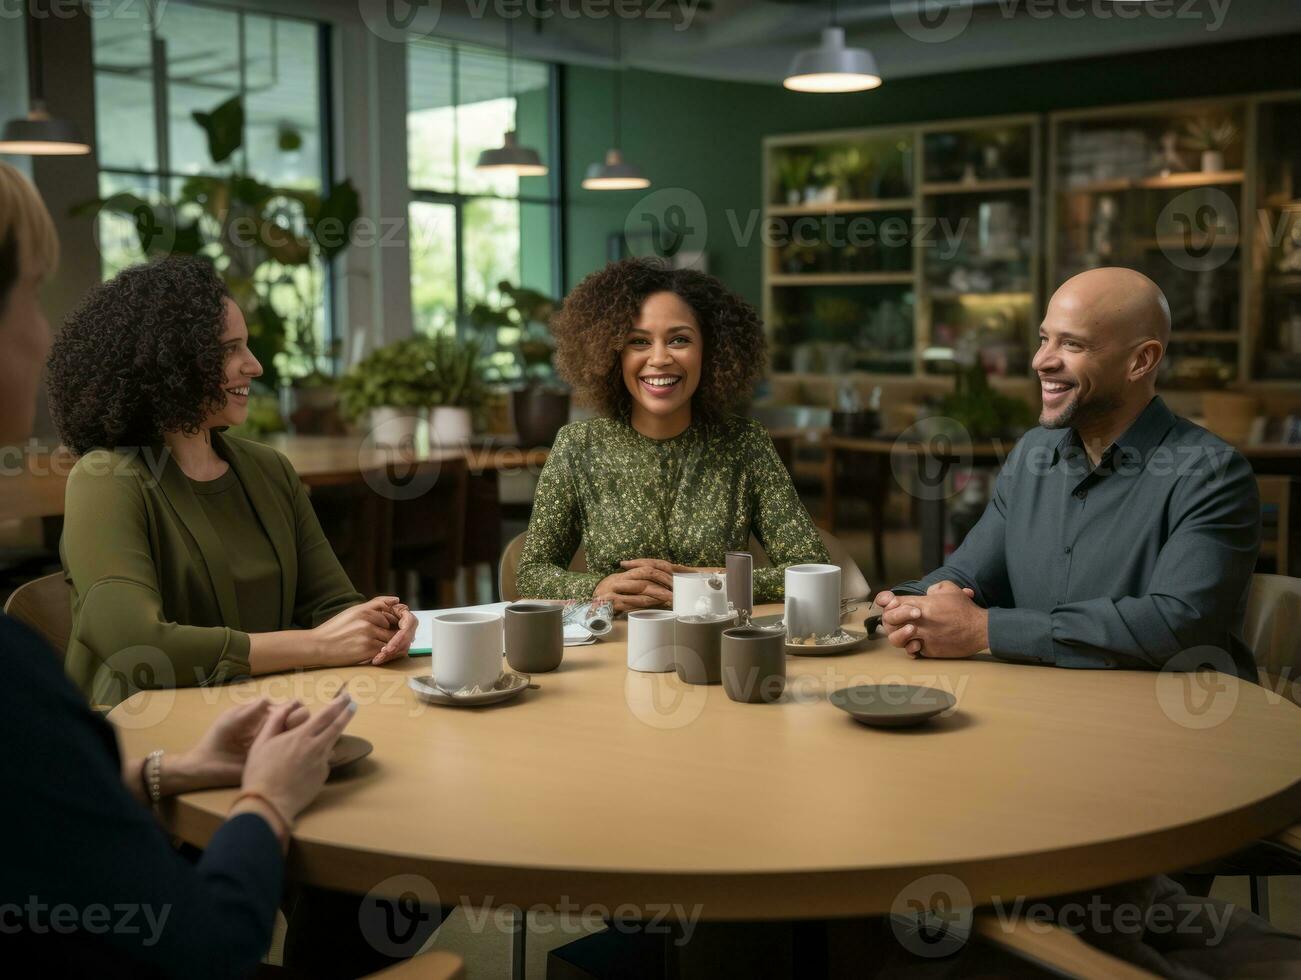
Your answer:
<point x="510" y="157"/>
<point x="832" y="67"/>
<point x="614" y="175"/>
<point x="40" y="135"/>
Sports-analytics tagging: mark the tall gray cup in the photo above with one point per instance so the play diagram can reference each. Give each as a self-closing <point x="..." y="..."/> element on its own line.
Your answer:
<point x="535" y="636"/>
<point x="697" y="647"/>
<point x="754" y="664"/>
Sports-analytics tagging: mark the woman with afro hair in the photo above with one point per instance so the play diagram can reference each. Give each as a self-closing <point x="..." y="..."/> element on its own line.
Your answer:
<point x="193" y="557"/>
<point x="667" y="479"/>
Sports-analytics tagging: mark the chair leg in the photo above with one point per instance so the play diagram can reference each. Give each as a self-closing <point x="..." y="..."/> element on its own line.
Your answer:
<point x="1260" y="896"/>
<point x="517" y="945"/>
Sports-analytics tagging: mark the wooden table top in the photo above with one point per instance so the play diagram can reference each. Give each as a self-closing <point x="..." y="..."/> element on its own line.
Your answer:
<point x="33" y="485"/>
<point x="609" y="786"/>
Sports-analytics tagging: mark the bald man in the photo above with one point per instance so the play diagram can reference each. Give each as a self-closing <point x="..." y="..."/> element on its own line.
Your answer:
<point x="1118" y="535"/>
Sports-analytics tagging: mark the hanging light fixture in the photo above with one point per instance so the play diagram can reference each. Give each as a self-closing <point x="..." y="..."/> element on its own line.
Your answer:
<point x="832" y="67"/>
<point x="614" y="173"/>
<point x="510" y="157"/>
<point x="39" y="134"/>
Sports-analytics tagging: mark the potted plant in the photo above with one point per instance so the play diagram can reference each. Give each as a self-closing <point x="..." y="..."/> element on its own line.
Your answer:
<point x="456" y="388"/>
<point x="1211" y="138"/>
<point x="793" y="171"/>
<point x="541" y="405"/>
<point x="390" y="389"/>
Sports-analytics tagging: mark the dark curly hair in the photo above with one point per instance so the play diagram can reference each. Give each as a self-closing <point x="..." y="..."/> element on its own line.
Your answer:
<point x="141" y="356"/>
<point x="592" y="327"/>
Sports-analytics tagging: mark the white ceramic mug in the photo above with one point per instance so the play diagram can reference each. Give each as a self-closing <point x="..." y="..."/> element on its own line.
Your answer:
<point x="650" y="640"/>
<point x="812" y="600"/>
<point x="694" y="596"/>
<point x="467" y="650"/>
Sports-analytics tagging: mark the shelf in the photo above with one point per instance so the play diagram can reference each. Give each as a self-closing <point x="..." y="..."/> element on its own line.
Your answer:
<point x="1284" y="284"/>
<point x="1177" y="242"/>
<point x="842" y="279"/>
<point x="1173" y="182"/>
<point x="1204" y="336"/>
<point x="834" y="207"/>
<point x="979" y="186"/>
<point x="953" y="294"/>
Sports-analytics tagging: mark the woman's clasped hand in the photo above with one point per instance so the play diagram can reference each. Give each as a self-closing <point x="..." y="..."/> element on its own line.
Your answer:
<point x="372" y="632"/>
<point x="644" y="583"/>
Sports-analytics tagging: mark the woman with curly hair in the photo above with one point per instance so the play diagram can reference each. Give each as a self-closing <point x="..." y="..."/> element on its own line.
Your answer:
<point x="194" y="557"/>
<point x="667" y="479"/>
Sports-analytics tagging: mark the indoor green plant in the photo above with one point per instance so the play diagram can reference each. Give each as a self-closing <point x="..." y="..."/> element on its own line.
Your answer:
<point x="1211" y="138"/>
<point x="390" y="388"/>
<point x="541" y="405"/>
<point x="981" y="410"/>
<point x="455" y="385"/>
<point x="793" y="171"/>
<point x="271" y="245"/>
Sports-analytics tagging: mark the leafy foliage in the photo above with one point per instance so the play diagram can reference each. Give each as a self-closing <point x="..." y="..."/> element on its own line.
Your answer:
<point x="419" y="372"/>
<point x="270" y="244"/>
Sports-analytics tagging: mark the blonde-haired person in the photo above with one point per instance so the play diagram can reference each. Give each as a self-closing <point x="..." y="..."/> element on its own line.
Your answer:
<point x="74" y="834"/>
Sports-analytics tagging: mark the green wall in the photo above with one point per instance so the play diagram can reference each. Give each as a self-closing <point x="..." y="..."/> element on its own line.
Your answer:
<point x="706" y="136"/>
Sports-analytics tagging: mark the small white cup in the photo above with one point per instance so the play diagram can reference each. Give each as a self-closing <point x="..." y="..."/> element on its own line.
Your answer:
<point x="692" y="595"/>
<point x="467" y="650"/>
<point x="812" y="600"/>
<point x="650" y="640"/>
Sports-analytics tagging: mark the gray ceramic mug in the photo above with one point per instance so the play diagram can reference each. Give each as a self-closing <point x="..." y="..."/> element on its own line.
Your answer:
<point x="754" y="664"/>
<point x="697" y="642"/>
<point x="535" y="636"/>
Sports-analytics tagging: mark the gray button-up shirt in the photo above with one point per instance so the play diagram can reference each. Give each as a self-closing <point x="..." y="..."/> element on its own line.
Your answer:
<point x="1133" y="563"/>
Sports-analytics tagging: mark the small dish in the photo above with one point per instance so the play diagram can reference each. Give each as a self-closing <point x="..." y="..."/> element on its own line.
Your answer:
<point x="508" y="685"/>
<point x="347" y="750"/>
<point x="892" y="705"/>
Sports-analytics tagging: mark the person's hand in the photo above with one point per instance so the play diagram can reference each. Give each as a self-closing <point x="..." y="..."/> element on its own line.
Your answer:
<point x="645" y="584"/>
<point x="886" y="600"/>
<point x="287" y="765"/>
<point x="217" y="759"/>
<point x="946" y="624"/>
<point x="358" y="634"/>
<point x="405" y="631"/>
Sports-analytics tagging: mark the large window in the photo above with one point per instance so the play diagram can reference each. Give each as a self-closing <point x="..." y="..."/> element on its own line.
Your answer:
<point x="472" y="230"/>
<point x="156" y="65"/>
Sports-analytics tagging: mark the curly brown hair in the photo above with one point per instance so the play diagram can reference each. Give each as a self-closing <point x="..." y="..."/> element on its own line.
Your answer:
<point x="141" y="356"/>
<point x="592" y="327"/>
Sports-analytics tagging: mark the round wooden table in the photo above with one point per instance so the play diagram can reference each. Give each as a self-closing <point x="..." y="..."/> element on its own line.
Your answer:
<point x="607" y="787"/>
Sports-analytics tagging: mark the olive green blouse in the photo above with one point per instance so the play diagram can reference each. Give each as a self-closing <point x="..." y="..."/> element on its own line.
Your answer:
<point x="689" y="500"/>
<point x="161" y="576"/>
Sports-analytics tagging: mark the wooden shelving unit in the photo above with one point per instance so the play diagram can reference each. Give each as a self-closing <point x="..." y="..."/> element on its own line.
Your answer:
<point x="1258" y="314"/>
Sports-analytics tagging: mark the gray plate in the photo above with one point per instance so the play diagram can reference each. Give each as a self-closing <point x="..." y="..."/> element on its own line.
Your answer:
<point x="822" y="649"/>
<point x="508" y="685"/>
<point x="892" y="705"/>
<point x="347" y="750"/>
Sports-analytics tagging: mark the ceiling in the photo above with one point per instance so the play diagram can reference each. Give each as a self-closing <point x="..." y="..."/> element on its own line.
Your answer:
<point x="753" y="40"/>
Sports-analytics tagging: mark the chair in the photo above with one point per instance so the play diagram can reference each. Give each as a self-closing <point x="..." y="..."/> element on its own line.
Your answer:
<point x="45" y="605"/>
<point x="1280" y="497"/>
<point x="852" y="583"/>
<point x="1054" y="948"/>
<point x="1271" y="626"/>
<point x="429" y="533"/>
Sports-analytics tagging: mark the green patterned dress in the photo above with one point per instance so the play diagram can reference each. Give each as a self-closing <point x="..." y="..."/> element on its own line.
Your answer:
<point x="688" y="500"/>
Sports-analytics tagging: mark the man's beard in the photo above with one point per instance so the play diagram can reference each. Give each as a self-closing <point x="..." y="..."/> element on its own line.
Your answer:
<point x="1081" y="411"/>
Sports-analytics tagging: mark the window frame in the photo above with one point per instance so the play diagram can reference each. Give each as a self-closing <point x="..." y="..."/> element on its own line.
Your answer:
<point x="164" y="175"/>
<point x="555" y="198"/>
